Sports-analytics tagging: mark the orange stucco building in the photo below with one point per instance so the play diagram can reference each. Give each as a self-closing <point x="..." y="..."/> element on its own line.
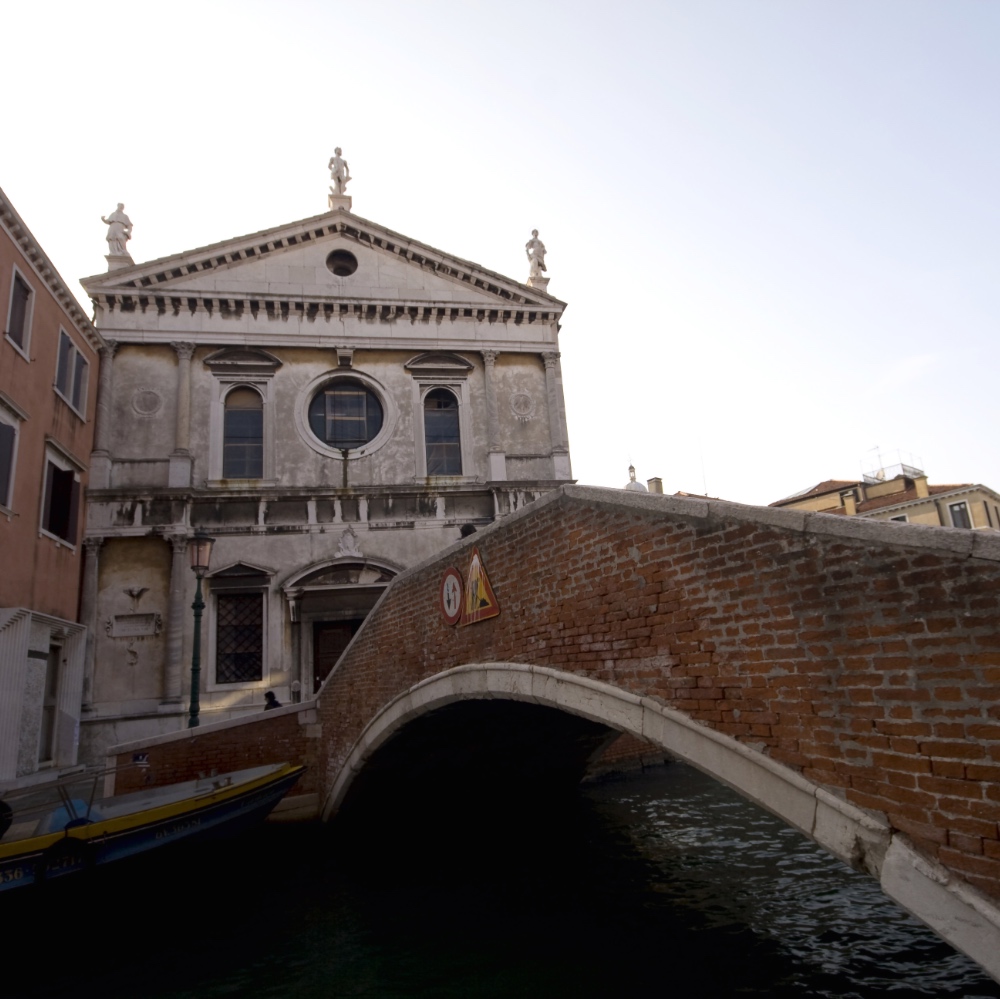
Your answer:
<point x="49" y="363"/>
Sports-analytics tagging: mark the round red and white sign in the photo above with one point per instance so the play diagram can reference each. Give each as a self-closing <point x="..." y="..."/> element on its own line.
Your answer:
<point x="451" y="595"/>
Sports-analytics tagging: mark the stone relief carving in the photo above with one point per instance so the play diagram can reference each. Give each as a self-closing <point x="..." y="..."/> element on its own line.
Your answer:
<point x="340" y="173"/>
<point x="146" y="401"/>
<point x="522" y="406"/>
<point x="119" y="231"/>
<point x="535" y="249"/>
<point x="348" y="545"/>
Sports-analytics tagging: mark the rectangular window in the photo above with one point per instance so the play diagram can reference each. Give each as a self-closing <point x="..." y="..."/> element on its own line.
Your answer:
<point x="61" y="502"/>
<point x="19" y="314"/>
<point x="8" y="437"/>
<point x="239" y="647"/>
<point x="243" y="444"/>
<point x="71" y="374"/>
<point x="959" y="515"/>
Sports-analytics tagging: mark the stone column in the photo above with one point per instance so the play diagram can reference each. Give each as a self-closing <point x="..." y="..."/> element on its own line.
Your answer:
<point x="173" y="667"/>
<point x="179" y="474"/>
<point x="557" y="416"/>
<point x="100" y="457"/>
<point x="88" y="615"/>
<point x="497" y="456"/>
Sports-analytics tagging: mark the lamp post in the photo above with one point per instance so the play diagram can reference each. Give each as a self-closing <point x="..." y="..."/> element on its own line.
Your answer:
<point x="200" y="550"/>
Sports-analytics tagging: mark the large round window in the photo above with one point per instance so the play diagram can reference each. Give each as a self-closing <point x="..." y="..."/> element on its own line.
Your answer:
<point x="345" y="414"/>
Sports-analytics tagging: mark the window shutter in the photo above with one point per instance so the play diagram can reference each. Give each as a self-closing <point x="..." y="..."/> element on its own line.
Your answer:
<point x="74" y="509"/>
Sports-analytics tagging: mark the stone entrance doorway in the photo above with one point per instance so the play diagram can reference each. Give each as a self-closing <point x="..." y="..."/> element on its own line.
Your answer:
<point x="330" y="638"/>
<point x="327" y="604"/>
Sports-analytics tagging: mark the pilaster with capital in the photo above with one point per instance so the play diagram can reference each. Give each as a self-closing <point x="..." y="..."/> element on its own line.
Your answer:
<point x="173" y="665"/>
<point x="180" y="458"/>
<point x="100" y="462"/>
<point x="497" y="456"/>
<point x="557" y="415"/>
<point x="88" y="615"/>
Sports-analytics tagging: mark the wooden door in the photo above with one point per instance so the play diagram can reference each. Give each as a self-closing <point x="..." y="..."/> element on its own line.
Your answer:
<point x="330" y="638"/>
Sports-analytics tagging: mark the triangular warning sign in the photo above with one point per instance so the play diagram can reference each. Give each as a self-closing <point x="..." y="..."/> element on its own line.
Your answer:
<point x="479" y="602"/>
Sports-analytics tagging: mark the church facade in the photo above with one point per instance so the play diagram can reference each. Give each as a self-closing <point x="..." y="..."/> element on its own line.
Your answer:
<point x="332" y="402"/>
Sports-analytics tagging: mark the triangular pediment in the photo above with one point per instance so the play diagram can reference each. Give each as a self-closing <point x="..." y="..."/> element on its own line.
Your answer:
<point x="241" y="570"/>
<point x="334" y="257"/>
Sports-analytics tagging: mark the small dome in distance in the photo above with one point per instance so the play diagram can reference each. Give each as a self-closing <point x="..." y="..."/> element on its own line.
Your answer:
<point x="632" y="485"/>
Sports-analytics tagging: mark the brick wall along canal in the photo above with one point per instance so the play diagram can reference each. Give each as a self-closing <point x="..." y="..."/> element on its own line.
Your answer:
<point x="659" y="883"/>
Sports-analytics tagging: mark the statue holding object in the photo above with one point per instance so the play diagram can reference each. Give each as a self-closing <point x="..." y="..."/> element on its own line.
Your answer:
<point x="340" y="173"/>
<point x="119" y="231"/>
<point x="535" y="249"/>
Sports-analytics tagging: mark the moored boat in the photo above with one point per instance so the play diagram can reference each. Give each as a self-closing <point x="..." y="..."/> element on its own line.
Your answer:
<point x="58" y="830"/>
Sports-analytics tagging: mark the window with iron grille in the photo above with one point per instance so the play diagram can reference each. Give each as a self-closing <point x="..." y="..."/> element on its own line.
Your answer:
<point x="441" y="433"/>
<point x="239" y="637"/>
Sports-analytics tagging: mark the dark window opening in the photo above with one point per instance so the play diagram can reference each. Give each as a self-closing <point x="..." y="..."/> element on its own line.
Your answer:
<point x="441" y="433"/>
<point x="61" y="506"/>
<point x="345" y="414"/>
<point x="71" y="373"/>
<point x="239" y="654"/>
<point x="7" y="437"/>
<point x="243" y="435"/>
<point x="17" y="321"/>
<point x="960" y="515"/>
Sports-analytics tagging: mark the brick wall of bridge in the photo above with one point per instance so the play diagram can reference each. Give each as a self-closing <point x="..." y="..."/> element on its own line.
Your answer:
<point x="864" y="655"/>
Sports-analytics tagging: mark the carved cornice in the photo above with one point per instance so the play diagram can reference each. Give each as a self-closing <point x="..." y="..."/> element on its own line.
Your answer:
<point x="311" y="308"/>
<point x="46" y="271"/>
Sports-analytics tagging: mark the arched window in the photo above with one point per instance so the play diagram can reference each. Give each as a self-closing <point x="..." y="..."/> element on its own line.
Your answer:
<point x="441" y="433"/>
<point x="243" y="435"/>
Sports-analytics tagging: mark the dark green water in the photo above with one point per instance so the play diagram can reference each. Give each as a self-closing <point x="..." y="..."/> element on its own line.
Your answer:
<point x="660" y="884"/>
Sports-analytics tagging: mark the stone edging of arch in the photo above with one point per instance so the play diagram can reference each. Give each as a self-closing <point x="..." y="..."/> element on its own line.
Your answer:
<point x="958" y="913"/>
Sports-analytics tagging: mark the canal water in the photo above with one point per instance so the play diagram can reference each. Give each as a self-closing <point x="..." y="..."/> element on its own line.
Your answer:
<point x="660" y="883"/>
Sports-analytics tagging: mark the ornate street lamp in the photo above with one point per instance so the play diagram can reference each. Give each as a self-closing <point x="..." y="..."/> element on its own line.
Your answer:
<point x="200" y="550"/>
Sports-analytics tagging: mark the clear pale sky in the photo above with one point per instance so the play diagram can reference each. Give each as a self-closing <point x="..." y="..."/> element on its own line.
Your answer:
<point x="775" y="221"/>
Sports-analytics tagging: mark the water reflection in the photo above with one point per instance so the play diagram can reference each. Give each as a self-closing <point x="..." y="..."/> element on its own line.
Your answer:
<point x="661" y="884"/>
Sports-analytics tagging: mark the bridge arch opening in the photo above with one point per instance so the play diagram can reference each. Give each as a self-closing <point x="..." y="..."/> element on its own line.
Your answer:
<point x="862" y="839"/>
<point x="847" y="832"/>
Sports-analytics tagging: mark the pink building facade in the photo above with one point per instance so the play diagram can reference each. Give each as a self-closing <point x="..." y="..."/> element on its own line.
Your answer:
<point x="49" y="363"/>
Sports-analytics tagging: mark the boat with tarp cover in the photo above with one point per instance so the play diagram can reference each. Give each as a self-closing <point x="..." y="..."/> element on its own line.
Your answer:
<point x="60" y="828"/>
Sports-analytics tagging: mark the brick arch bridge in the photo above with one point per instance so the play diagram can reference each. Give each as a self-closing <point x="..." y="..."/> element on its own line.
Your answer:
<point x="843" y="673"/>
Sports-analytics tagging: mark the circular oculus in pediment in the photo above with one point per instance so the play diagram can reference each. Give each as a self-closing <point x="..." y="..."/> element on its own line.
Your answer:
<point x="342" y="263"/>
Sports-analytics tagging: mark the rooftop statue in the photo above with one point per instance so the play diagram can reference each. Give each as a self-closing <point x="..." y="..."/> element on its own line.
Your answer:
<point x="119" y="231"/>
<point x="535" y="249"/>
<point x="340" y="173"/>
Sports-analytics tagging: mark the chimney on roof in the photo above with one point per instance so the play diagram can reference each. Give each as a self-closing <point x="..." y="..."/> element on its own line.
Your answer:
<point x="655" y="484"/>
<point x="921" y="485"/>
